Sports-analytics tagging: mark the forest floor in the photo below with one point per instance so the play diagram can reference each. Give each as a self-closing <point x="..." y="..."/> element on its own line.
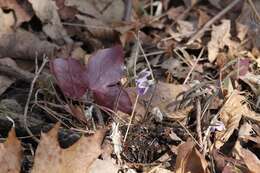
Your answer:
<point x="151" y="86"/>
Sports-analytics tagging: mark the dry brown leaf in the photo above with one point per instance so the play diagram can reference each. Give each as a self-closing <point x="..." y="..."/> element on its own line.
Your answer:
<point x="249" y="19"/>
<point x="106" y="10"/>
<point x="184" y="30"/>
<point x="98" y="28"/>
<point x="179" y="114"/>
<point x="190" y="160"/>
<point x="21" y="15"/>
<point x="7" y="20"/>
<point x="106" y="165"/>
<point x="241" y="31"/>
<point x="190" y="3"/>
<point x="10" y="154"/>
<point x="173" y="13"/>
<point x="78" y="158"/>
<point x="5" y="82"/>
<point x="231" y="114"/>
<point x="66" y="13"/>
<point x="250" y="159"/>
<point x="162" y="170"/>
<point x="9" y="71"/>
<point x="220" y="37"/>
<point x="24" y="45"/>
<point x="203" y="18"/>
<point x="162" y="94"/>
<point x="48" y="14"/>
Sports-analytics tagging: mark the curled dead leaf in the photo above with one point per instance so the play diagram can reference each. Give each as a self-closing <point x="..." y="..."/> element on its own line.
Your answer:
<point x="220" y="37"/>
<point x="20" y="10"/>
<point x="190" y="160"/>
<point x="24" y="45"/>
<point x="48" y="14"/>
<point x="250" y="159"/>
<point x="231" y="114"/>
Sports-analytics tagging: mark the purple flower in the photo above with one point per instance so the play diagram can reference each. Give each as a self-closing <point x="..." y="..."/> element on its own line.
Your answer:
<point x="143" y="82"/>
<point x="217" y="126"/>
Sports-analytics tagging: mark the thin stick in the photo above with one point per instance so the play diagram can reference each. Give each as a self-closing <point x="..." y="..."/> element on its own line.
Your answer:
<point x="198" y="117"/>
<point x="211" y="21"/>
<point x="254" y="9"/>
<point x="86" y="26"/>
<point x="145" y="57"/>
<point x="37" y="73"/>
<point x="194" y="65"/>
<point x="131" y="119"/>
<point x="192" y="137"/>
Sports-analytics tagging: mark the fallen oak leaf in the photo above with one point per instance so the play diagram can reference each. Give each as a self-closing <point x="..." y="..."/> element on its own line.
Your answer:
<point x="20" y="9"/>
<point x="251" y="160"/>
<point x="189" y="159"/>
<point x="10" y="154"/>
<point x="75" y="159"/>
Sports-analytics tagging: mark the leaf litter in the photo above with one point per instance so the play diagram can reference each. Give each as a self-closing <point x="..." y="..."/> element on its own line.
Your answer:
<point x="132" y="86"/>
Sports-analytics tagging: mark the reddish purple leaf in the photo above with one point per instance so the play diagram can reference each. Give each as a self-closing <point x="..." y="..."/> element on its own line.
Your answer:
<point x="105" y="68"/>
<point x="102" y="76"/>
<point x="69" y="74"/>
<point x="104" y="71"/>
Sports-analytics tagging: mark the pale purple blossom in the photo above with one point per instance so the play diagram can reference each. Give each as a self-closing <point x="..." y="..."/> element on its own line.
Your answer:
<point x="143" y="82"/>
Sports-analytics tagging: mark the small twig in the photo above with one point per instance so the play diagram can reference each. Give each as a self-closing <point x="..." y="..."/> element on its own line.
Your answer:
<point x="193" y="66"/>
<point x="198" y="118"/>
<point x="155" y="168"/>
<point x="212" y="21"/>
<point x="37" y="73"/>
<point x="151" y="7"/>
<point x="192" y="137"/>
<point x="87" y="26"/>
<point x="145" y="57"/>
<point x="131" y="119"/>
<point x="254" y="9"/>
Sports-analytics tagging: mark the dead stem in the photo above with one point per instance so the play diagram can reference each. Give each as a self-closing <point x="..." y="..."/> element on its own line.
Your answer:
<point x="131" y="119"/>
<point x="37" y="73"/>
<point x="145" y="57"/>
<point x="198" y="118"/>
<point x="192" y="137"/>
<point x="193" y="66"/>
<point x="212" y="21"/>
<point x="254" y="9"/>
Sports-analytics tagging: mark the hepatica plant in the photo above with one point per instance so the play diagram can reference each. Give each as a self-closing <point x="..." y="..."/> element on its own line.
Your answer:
<point x="101" y="75"/>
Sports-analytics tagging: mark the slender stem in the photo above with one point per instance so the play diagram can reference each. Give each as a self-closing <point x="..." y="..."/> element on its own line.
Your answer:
<point x="37" y="73"/>
<point x="198" y="117"/>
<point x="131" y="119"/>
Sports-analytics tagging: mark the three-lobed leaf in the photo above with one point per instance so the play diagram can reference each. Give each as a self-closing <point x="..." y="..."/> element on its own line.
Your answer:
<point x="101" y="75"/>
